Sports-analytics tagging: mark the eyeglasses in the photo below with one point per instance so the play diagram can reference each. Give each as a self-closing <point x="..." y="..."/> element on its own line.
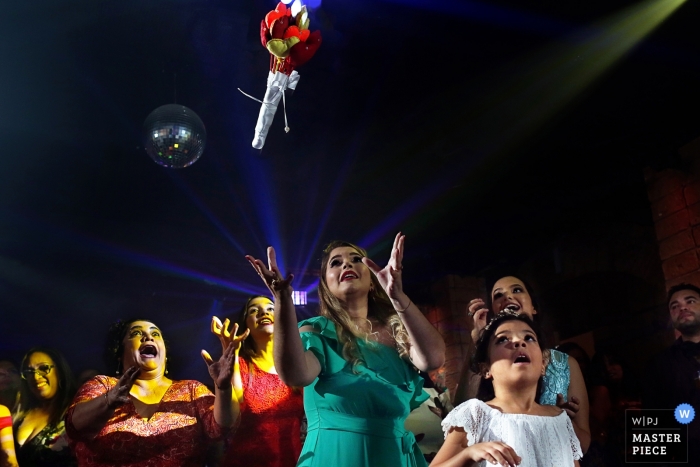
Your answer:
<point x="43" y="370"/>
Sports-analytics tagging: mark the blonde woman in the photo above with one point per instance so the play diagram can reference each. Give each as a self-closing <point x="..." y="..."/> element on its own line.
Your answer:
<point x="357" y="361"/>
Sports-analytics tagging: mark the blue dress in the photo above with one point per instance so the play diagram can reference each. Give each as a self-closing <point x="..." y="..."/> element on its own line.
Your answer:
<point x="356" y="419"/>
<point x="556" y="378"/>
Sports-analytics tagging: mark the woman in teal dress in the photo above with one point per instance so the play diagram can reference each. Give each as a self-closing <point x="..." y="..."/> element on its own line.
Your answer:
<point x="357" y="361"/>
<point x="562" y="385"/>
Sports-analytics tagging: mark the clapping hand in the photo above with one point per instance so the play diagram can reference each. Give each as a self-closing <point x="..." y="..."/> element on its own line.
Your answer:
<point x="271" y="275"/>
<point x="221" y="371"/>
<point x="119" y="394"/>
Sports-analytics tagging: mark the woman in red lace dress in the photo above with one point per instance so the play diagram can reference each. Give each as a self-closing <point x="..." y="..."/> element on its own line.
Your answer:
<point x="144" y="418"/>
<point x="271" y="412"/>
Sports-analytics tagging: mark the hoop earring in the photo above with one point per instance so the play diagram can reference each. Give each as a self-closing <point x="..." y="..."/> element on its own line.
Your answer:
<point x="119" y="364"/>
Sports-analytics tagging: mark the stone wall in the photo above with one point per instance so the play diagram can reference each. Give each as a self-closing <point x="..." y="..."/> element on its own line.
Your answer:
<point x="448" y="314"/>
<point x="675" y="203"/>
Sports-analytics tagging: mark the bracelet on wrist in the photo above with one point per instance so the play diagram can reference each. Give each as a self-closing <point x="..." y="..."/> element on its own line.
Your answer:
<point x="404" y="310"/>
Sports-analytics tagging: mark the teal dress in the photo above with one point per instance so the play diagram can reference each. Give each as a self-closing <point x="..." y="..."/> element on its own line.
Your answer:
<point x="556" y="378"/>
<point x="356" y="419"/>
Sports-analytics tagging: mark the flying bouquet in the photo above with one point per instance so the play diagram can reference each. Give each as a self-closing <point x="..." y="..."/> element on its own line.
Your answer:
<point x="287" y="37"/>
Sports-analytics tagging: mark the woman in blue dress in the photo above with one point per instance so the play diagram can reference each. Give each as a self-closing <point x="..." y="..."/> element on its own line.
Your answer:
<point x="563" y="383"/>
<point x="357" y="361"/>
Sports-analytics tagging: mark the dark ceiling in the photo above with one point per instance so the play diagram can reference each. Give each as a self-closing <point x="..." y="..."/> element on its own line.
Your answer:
<point x="484" y="130"/>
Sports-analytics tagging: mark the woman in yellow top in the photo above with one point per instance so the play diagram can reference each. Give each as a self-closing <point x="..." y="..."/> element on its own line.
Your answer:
<point x="7" y="441"/>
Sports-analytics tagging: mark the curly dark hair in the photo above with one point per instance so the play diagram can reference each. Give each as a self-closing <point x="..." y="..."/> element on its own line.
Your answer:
<point x="115" y="343"/>
<point x="64" y="394"/>
<point x="248" y="349"/>
<point x="481" y="355"/>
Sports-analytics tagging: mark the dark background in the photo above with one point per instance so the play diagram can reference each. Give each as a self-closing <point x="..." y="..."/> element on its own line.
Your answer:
<point x="483" y="130"/>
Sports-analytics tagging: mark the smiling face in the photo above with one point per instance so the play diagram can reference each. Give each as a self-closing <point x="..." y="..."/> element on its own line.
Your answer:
<point x="346" y="274"/>
<point x="260" y="317"/>
<point x="41" y="375"/>
<point x="144" y="347"/>
<point x="684" y="307"/>
<point x="510" y="293"/>
<point x="514" y="354"/>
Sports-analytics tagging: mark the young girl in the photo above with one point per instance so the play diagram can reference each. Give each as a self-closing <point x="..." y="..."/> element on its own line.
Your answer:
<point x="512" y="428"/>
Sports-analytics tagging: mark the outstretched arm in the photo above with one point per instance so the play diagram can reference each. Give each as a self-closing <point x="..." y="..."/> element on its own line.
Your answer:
<point x="294" y="366"/>
<point x="226" y="337"/>
<point x="427" y="346"/>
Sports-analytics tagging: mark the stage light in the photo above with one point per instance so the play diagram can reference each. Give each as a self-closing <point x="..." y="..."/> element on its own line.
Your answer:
<point x="540" y="87"/>
<point x="299" y="297"/>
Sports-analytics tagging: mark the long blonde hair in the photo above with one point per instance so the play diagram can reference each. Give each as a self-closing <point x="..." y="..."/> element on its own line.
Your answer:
<point x="378" y="306"/>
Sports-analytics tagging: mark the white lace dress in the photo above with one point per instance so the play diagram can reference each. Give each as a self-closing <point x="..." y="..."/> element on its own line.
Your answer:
<point x="540" y="441"/>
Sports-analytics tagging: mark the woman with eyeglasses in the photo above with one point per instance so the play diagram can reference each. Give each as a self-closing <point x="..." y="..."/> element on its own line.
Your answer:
<point x="271" y="411"/>
<point x="46" y="391"/>
<point x="143" y="418"/>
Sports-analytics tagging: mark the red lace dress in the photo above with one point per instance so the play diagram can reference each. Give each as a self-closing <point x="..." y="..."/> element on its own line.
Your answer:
<point x="270" y="431"/>
<point x="177" y="435"/>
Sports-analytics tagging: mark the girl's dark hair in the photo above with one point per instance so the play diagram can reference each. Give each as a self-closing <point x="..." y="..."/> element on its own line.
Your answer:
<point x="64" y="394"/>
<point x="248" y="345"/>
<point x="115" y="344"/>
<point x="481" y="355"/>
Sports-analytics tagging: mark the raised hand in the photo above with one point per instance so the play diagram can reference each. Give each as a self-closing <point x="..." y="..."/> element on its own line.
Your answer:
<point x="478" y="311"/>
<point x="571" y="407"/>
<point x="119" y="394"/>
<point x="494" y="452"/>
<point x="226" y="337"/>
<point x="221" y="371"/>
<point x="389" y="277"/>
<point x="271" y="275"/>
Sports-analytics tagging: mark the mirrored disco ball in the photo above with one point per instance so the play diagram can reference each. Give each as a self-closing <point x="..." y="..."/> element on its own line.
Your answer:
<point x="174" y="136"/>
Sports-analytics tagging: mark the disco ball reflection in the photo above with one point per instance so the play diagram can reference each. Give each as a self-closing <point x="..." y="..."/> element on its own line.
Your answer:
<point x="174" y="136"/>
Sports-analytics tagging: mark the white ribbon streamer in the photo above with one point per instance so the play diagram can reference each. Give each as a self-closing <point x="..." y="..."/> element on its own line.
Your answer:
<point x="277" y="83"/>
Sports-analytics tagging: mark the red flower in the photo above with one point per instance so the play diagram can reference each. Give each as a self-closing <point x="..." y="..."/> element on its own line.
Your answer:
<point x="303" y="51"/>
<point x="294" y="44"/>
